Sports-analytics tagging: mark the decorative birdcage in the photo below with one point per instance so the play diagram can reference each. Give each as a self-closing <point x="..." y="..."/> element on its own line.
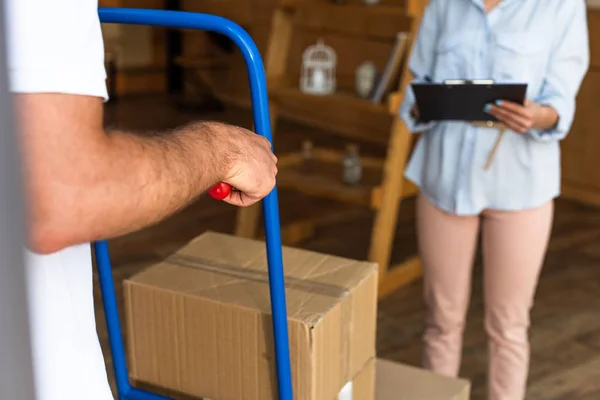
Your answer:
<point x="318" y="69"/>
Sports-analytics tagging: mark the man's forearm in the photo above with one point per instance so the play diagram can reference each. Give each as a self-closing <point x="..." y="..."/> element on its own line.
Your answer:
<point x="147" y="177"/>
<point x="132" y="181"/>
<point x="86" y="184"/>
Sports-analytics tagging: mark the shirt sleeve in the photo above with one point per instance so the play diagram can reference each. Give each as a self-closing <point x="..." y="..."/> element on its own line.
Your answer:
<point x="569" y="62"/>
<point x="421" y="65"/>
<point x="55" y="47"/>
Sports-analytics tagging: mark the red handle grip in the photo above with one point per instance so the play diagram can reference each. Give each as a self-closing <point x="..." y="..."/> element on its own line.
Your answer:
<point x="220" y="191"/>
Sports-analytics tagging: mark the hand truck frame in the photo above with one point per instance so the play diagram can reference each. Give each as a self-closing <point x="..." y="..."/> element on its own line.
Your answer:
<point x="260" y="109"/>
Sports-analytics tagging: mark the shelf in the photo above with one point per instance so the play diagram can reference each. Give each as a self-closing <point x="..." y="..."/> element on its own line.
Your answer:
<point x="357" y="33"/>
<point x="202" y="62"/>
<point x="324" y="184"/>
<point x="342" y="97"/>
<point x="341" y="113"/>
<point x="336" y="157"/>
<point x="324" y="178"/>
<point x="377" y="22"/>
<point x="296" y="232"/>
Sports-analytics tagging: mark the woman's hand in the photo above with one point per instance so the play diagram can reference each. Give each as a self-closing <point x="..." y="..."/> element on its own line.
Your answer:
<point x="414" y="111"/>
<point x="522" y="119"/>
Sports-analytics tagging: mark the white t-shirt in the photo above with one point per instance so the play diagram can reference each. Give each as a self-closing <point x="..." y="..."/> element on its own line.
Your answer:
<point x="56" y="46"/>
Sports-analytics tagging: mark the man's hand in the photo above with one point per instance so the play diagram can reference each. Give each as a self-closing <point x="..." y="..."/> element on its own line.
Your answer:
<point x="252" y="167"/>
<point x="522" y="119"/>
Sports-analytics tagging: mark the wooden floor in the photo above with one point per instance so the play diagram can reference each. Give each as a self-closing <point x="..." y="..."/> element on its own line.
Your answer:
<point x="565" y="333"/>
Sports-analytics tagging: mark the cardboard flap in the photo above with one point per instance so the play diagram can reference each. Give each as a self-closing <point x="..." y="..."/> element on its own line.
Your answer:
<point x="234" y="270"/>
<point x="417" y="384"/>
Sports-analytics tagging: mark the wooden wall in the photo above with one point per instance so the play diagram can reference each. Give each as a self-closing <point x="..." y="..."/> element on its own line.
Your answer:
<point x="581" y="149"/>
<point x="254" y="16"/>
<point x="138" y="50"/>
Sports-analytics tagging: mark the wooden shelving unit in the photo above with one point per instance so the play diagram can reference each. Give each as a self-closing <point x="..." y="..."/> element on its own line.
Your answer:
<point x="383" y="186"/>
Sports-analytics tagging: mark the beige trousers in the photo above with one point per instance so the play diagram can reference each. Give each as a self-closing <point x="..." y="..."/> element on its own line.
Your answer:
<point x="514" y="245"/>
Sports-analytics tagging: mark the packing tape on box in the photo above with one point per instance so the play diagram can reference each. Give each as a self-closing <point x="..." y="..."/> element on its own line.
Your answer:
<point x="254" y="275"/>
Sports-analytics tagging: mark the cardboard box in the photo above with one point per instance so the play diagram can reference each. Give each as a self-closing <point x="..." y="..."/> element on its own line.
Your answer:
<point x="396" y="381"/>
<point x="199" y="323"/>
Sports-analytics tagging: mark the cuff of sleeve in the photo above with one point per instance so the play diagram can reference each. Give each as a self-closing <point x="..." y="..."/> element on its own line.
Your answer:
<point x="565" y="111"/>
<point x="412" y="124"/>
<point x="81" y="80"/>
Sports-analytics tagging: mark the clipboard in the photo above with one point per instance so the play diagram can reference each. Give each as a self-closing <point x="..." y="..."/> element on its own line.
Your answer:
<point x="459" y="100"/>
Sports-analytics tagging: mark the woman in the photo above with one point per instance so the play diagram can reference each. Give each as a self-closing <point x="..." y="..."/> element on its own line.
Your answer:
<point x="539" y="42"/>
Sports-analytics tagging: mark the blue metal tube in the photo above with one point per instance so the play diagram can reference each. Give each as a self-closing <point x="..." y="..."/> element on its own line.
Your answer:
<point x="109" y="298"/>
<point x="262" y="124"/>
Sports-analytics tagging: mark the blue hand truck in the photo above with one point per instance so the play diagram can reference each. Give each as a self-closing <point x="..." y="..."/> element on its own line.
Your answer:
<point x="260" y="110"/>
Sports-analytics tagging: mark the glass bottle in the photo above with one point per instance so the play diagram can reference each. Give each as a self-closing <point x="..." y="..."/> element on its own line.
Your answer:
<point x="307" y="155"/>
<point x="352" y="166"/>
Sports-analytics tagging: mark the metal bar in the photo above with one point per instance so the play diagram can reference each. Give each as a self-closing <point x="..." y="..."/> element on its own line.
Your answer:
<point x="115" y="337"/>
<point x="16" y="365"/>
<point x="258" y="90"/>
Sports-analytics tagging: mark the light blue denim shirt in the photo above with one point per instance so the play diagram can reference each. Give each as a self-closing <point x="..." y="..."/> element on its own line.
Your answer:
<point x="543" y="43"/>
